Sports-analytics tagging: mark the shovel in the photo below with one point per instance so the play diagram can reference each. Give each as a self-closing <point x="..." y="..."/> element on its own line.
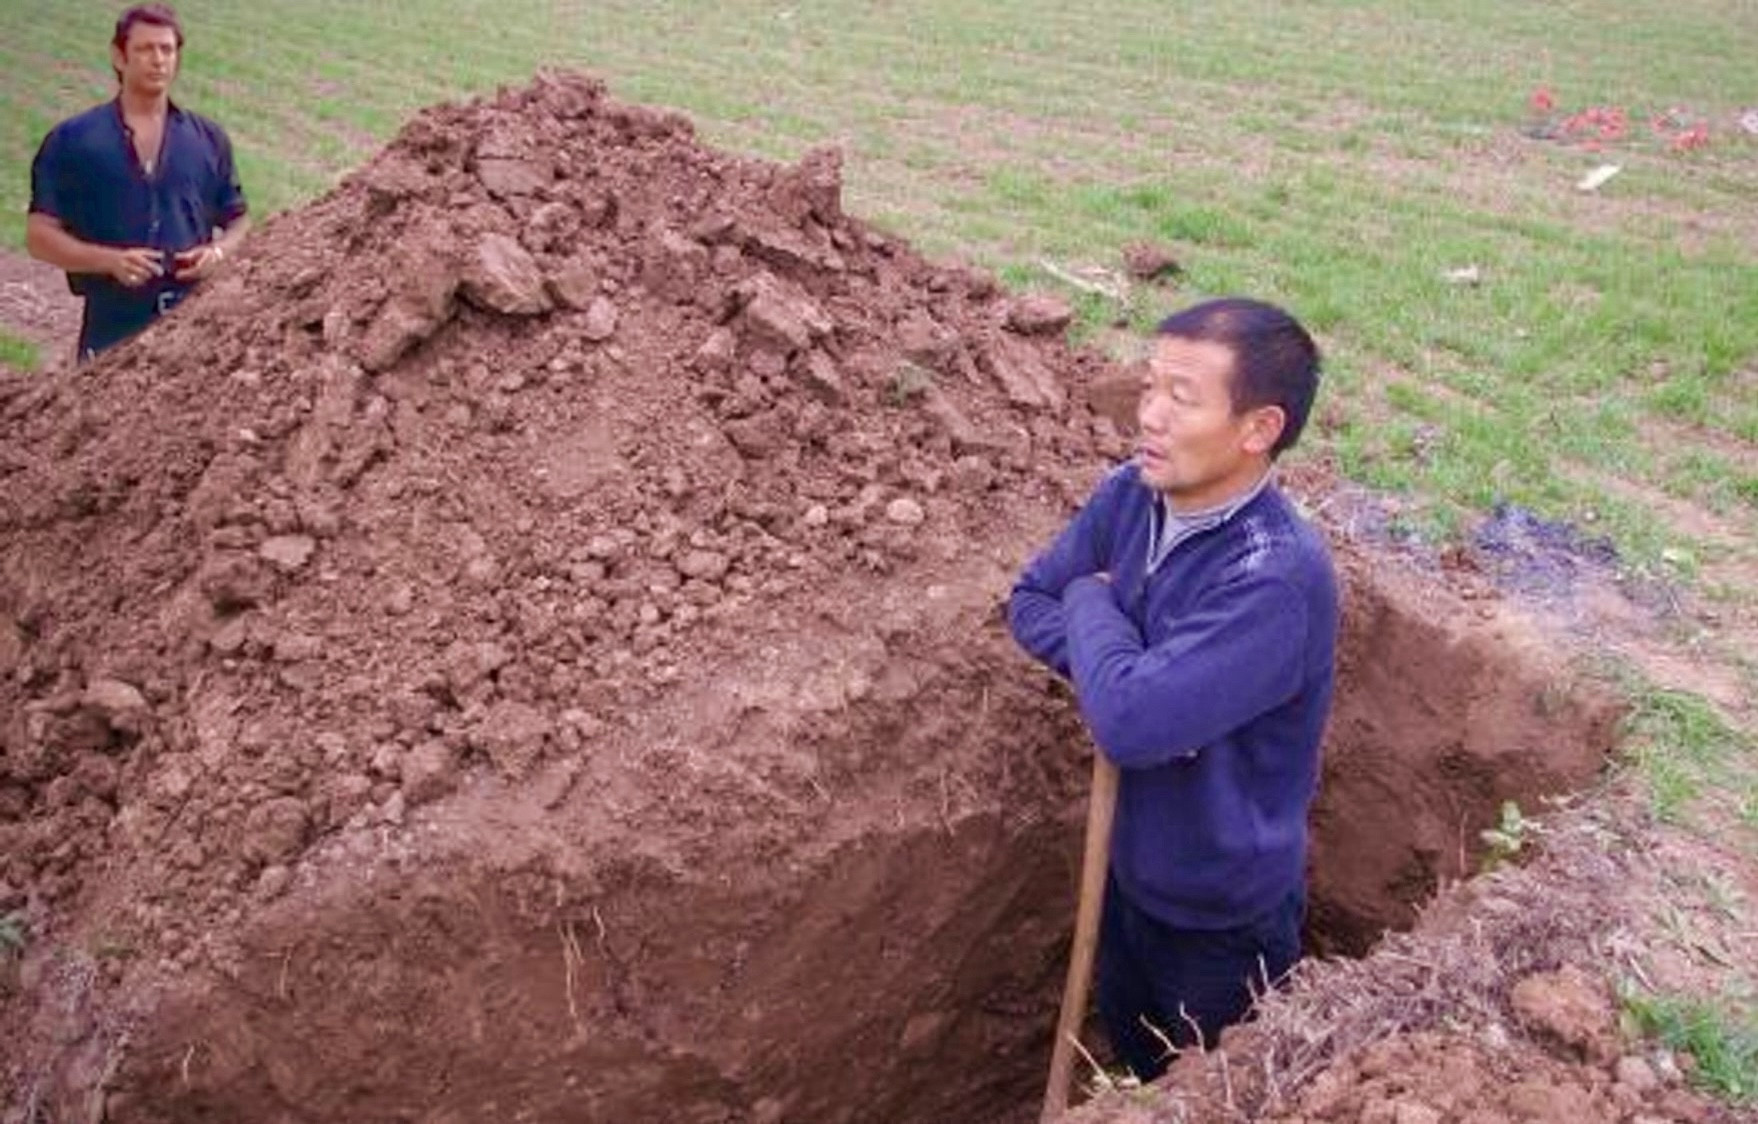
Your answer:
<point x="1101" y="810"/>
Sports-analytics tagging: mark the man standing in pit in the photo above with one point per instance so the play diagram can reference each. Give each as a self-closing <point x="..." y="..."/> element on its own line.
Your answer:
<point x="137" y="199"/>
<point x="1195" y="613"/>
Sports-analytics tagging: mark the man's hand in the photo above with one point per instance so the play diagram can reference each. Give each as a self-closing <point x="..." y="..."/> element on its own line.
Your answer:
<point x="136" y="267"/>
<point x="1100" y="578"/>
<point x="198" y="262"/>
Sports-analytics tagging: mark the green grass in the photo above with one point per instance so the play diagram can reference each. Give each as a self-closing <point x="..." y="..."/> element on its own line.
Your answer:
<point x="19" y="354"/>
<point x="14" y="935"/>
<point x="1720" y="1035"/>
<point x="1689" y="755"/>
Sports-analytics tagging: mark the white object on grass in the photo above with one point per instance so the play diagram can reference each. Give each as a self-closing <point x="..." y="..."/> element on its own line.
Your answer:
<point x="1597" y="178"/>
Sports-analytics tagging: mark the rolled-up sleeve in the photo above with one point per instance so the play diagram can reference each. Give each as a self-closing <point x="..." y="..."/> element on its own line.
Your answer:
<point x="49" y="187"/>
<point x="228" y="203"/>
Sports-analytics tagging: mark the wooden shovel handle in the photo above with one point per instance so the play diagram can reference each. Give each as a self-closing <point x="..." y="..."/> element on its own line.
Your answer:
<point x="1101" y="810"/>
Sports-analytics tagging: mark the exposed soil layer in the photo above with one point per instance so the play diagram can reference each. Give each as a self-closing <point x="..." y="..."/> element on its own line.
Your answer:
<point x="524" y="643"/>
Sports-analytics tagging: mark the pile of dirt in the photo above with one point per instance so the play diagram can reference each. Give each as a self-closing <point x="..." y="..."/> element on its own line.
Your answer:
<point x="464" y="461"/>
<point x="552" y="452"/>
<point x="525" y="641"/>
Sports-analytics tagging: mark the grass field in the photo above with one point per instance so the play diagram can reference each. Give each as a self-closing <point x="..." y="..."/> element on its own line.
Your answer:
<point x="1339" y="157"/>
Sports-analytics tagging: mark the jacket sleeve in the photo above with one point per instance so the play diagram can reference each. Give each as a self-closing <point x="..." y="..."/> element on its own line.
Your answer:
<point x="1034" y="611"/>
<point x="1235" y="656"/>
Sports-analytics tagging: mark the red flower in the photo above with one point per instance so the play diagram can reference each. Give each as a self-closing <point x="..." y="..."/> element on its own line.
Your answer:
<point x="1697" y="136"/>
<point x="1542" y="101"/>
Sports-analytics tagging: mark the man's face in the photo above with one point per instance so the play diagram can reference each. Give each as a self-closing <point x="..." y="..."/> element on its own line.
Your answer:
<point x="147" y="62"/>
<point x="1193" y="449"/>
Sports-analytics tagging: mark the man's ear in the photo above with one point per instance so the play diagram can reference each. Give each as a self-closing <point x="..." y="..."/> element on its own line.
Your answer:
<point x="1263" y="428"/>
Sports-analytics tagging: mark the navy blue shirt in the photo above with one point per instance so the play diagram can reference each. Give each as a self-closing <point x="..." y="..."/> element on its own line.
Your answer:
<point x="1206" y="676"/>
<point x="88" y="176"/>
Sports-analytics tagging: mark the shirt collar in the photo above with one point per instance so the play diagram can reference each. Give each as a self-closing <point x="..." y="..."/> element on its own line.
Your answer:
<point x="1221" y="512"/>
<point x="172" y="109"/>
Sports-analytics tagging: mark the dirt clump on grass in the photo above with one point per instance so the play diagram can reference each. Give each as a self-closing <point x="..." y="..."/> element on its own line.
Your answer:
<point x="525" y="641"/>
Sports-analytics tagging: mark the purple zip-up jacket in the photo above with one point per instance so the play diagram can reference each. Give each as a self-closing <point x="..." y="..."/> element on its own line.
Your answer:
<point x="1207" y="682"/>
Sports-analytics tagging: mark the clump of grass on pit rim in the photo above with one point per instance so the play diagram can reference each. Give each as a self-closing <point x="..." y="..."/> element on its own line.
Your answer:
<point x="1720" y="1037"/>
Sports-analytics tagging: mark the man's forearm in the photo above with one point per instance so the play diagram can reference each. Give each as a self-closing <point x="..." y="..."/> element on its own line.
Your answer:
<point x="232" y="236"/>
<point x="47" y="240"/>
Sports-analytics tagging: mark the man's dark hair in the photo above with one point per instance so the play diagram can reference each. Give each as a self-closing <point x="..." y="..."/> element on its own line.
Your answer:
<point x="155" y="15"/>
<point x="1275" y="362"/>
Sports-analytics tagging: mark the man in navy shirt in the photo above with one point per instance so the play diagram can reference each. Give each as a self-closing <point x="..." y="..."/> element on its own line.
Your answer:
<point x="136" y="199"/>
<point x="1195" y="613"/>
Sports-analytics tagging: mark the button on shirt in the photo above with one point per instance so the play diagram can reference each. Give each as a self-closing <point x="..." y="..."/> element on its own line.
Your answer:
<point x="88" y="176"/>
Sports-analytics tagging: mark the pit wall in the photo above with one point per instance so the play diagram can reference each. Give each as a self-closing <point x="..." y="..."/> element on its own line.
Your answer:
<point x="850" y="906"/>
<point x="1446" y="707"/>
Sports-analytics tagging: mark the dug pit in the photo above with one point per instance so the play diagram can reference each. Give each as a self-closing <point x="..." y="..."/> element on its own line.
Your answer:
<point x="527" y="646"/>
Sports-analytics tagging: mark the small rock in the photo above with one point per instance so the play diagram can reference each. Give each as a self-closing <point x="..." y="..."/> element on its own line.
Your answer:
<point x="113" y="697"/>
<point x="1414" y="1112"/>
<point x="395" y="809"/>
<point x="287" y="553"/>
<point x="575" y="286"/>
<point x="430" y="771"/>
<point x="1537" y="1098"/>
<point x="905" y="512"/>
<point x="296" y="647"/>
<point x="673" y="265"/>
<point x="780" y="318"/>
<point x="601" y="321"/>
<point x="823" y="381"/>
<point x="1681" y="1106"/>
<point x="273" y="881"/>
<point x="513" y="736"/>
<point x="512" y="178"/>
<point x="387" y="761"/>
<point x="717" y="351"/>
<point x="1039" y="315"/>
<point x="503" y="277"/>
<point x="276" y="830"/>
<point x="1567" y="1007"/>
<point x="1637" y="1074"/>
<point x="708" y="565"/>
<point x="1023" y="374"/>
<point x="817" y="515"/>
<point x="754" y="437"/>
<point x="1145" y="261"/>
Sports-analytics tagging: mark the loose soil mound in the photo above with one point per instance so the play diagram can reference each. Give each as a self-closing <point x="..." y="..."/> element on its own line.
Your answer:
<point x="525" y="642"/>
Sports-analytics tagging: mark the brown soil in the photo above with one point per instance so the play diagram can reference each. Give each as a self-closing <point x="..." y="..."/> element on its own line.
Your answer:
<point x="525" y="644"/>
<point x="35" y="305"/>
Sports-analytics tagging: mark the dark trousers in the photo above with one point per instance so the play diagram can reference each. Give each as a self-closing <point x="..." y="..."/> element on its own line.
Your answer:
<point x="1188" y="984"/>
<point x="109" y="324"/>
